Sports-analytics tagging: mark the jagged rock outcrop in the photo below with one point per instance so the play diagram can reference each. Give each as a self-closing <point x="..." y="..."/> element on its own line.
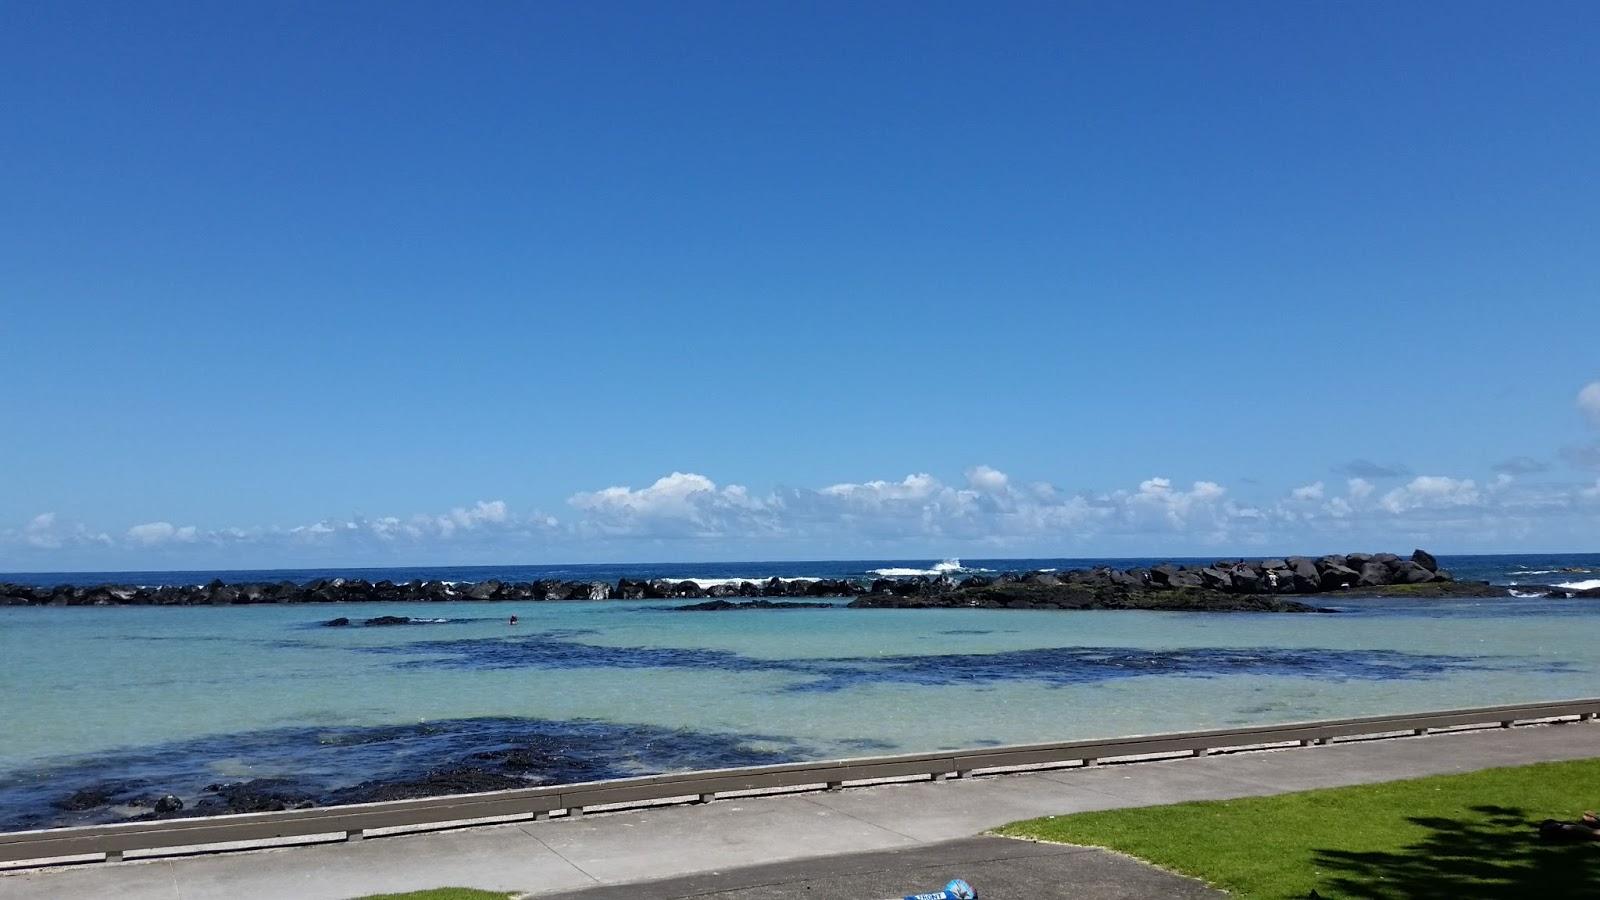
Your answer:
<point x="734" y="605"/>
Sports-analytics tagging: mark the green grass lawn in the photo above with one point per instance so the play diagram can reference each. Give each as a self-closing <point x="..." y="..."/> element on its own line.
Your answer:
<point x="1457" y="836"/>
<point x="442" y="894"/>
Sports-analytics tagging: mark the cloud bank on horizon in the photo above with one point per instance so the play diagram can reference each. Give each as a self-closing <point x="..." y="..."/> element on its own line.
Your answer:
<point x="688" y="516"/>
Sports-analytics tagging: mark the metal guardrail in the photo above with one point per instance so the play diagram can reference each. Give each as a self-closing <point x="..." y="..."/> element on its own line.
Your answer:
<point x="352" y="822"/>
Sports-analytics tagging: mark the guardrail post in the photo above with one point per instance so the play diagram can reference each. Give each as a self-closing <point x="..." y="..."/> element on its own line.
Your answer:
<point x="354" y="834"/>
<point x="1306" y="742"/>
<point x="574" y="812"/>
<point x="835" y="785"/>
<point x="542" y="815"/>
<point x="707" y="797"/>
<point x="1323" y="742"/>
<point x="940" y="776"/>
<point x="1419" y="732"/>
<point x="963" y="773"/>
<point x="1090" y="763"/>
<point x="1199" y="751"/>
<point x="113" y="856"/>
<point x="1507" y="723"/>
<point x="1586" y="717"/>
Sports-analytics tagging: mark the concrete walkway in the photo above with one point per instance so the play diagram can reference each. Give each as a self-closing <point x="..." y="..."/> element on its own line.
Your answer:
<point x="562" y="856"/>
<point x="996" y="867"/>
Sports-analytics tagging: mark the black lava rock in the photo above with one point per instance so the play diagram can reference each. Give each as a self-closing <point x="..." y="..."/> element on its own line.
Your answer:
<point x="388" y="620"/>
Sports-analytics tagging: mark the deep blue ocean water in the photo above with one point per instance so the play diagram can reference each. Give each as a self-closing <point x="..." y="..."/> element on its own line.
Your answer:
<point x="1526" y="567"/>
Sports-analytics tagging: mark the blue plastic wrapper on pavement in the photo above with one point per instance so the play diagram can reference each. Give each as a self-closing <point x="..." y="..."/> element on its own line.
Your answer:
<point x="955" y="890"/>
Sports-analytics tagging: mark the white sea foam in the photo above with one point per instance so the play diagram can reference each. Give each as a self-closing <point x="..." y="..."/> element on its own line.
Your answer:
<point x="1527" y="594"/>
<point x="946" y="567"/>
<point x="1589" y="585"/>
<point x="755" y="579"/>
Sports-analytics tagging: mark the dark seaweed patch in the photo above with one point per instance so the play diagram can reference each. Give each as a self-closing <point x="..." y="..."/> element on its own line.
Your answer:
<point x="550" y="650"/>
<point x="362" y="764"/>
<point x="1057" y="666"/>
<point x="867" y="744"/>
<point x="1086" y="665"/>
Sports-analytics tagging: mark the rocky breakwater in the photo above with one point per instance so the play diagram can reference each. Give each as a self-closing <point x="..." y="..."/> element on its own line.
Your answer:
<point x="1231" y="584"/>
<point x="356" y="590"/>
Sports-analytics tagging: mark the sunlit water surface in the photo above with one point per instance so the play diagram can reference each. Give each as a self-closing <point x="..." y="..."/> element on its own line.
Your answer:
<point x="177" y="697"/>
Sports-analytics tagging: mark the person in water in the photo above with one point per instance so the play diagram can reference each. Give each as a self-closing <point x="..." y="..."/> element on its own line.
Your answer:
<point x="513" y="620"/>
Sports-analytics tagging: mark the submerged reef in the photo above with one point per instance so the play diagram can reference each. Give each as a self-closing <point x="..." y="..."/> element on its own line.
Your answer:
<point x="299" y="767"/>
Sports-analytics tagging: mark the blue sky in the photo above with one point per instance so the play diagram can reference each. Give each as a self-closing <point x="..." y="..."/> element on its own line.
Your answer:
<point x="386" y="282"/>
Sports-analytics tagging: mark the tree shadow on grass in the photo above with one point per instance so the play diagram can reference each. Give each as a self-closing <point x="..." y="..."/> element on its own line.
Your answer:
<point x="1496" y="854"/>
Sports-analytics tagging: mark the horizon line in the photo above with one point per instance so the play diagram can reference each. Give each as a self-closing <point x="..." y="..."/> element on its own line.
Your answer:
<point x="725" y="562"/>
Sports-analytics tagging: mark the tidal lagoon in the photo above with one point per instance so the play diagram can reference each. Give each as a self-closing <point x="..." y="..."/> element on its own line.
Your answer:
<point x="112" y="710"/>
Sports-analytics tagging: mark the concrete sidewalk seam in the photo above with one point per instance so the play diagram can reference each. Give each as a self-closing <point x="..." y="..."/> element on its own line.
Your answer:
<point x="1066" y="776"/>
<point x="558" y="854"/>
<point x="841" y="812"/>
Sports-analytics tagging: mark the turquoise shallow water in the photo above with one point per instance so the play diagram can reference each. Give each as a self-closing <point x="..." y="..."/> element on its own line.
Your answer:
<point x="175" y="697"/>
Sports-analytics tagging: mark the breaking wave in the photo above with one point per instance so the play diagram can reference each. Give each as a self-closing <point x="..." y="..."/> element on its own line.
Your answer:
<point x="945" y="567"/>
<point x="714" y="582"/>
<point x="1589" y="585"/>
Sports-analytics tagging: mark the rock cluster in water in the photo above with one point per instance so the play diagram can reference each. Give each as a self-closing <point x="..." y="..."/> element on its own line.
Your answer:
<point x="720" y="605"/>
<point x="365" y="764"/>
<point x="1290" y="575"/>
<point x="1227" y="584"/>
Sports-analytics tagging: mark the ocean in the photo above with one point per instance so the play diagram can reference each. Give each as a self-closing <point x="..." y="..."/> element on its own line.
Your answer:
<point x="106" y="708"/>
<point x="1500" y="569"/>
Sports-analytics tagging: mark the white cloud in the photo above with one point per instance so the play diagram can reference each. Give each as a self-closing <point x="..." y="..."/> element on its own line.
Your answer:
<point x="988" y="509"/>
<point x="41" y="532"/>
<point x="680" y="504"/>
<point x="1432" y="492"/>
<point x="1157" y="498"/>
<point x="47" y="532"/>
<point x="152" y="533"/>
<point x="1589" y="401"/>
<point x="1312" y="491"/>
<point x="913" y="487"/>
<point x="672" y="495"/>
<point x="483" y="513"/>
<point x="484" y="520"/>
<point x="987" y="480"/>
<point x="487" y="523"/>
